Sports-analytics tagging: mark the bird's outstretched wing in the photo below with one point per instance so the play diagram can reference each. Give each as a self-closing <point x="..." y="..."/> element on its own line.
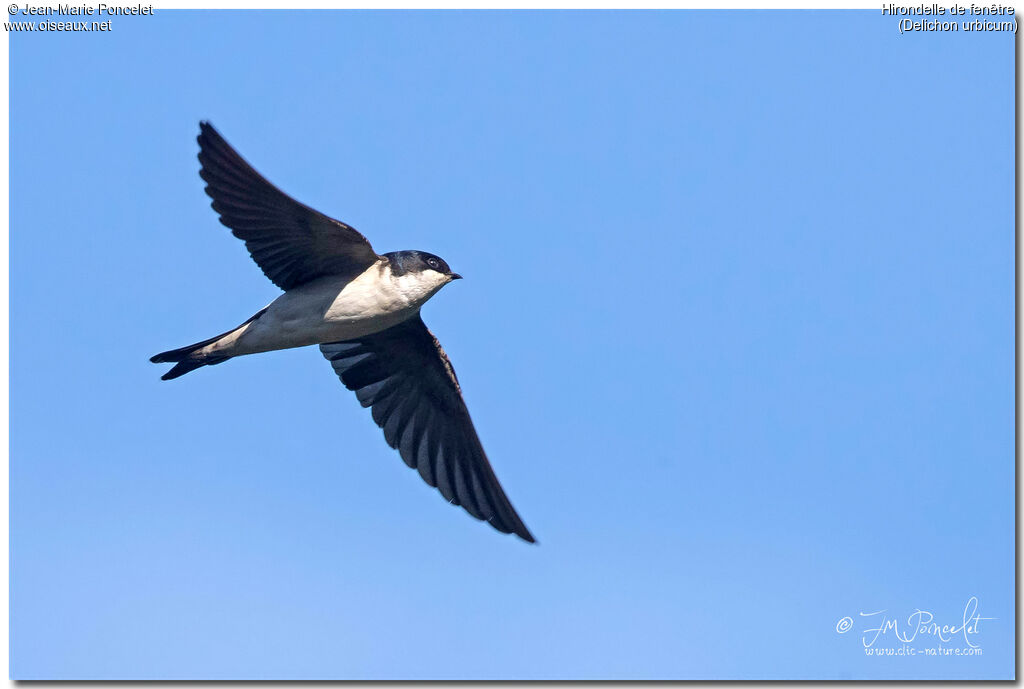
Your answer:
<point x="290" y="242"/>
<point x="403" y="374"/>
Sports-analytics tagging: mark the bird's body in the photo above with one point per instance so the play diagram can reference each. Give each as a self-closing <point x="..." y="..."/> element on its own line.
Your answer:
<point x="363" y="310"/>
<point x="330" y="309"/>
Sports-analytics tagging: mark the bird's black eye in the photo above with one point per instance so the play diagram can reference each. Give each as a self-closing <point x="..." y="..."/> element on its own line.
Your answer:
<point x="432" y="262"/>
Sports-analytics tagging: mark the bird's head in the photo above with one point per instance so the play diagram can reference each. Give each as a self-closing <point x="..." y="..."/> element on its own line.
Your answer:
<point x="420" y="272"/>
<point x="432" y="267"/>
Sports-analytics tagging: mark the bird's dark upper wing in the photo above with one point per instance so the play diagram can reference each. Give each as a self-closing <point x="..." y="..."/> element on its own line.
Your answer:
<point x="407" y="379"/>
<point x="290" y="242"/>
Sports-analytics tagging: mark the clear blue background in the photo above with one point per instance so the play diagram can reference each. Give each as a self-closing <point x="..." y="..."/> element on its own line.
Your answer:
<point x="737" y="333"/>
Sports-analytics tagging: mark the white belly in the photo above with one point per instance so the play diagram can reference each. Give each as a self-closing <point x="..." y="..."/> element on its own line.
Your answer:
<point x="332" y="309"/>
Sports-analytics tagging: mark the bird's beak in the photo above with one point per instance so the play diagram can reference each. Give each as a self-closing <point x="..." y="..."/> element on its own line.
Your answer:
<point x="454" y="276"/>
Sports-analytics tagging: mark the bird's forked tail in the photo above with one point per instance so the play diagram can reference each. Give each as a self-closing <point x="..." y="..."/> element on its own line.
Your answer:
<point x="187" y="359"/>
<point x="190" y="358"/>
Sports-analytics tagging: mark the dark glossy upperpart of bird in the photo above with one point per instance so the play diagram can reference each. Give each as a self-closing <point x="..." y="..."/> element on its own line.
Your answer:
<point x="413" y="261"/>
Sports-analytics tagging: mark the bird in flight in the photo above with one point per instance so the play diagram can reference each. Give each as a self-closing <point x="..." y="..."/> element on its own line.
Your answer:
<point x="363" y="310"/>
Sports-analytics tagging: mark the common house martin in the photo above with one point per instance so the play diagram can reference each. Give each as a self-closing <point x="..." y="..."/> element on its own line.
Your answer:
<point x="363" y="310"/>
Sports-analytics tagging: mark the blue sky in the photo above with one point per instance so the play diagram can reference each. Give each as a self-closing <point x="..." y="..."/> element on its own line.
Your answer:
<point x="737" y="334"/>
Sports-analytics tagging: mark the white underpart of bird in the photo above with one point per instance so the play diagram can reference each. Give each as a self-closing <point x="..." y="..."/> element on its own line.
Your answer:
<point x="331" y="309"/>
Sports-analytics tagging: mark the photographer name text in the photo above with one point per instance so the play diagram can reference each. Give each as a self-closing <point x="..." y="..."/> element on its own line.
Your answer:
<point x="70" y="10"/>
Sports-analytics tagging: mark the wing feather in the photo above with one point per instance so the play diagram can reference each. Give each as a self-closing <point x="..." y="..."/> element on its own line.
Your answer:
<point x="290" y="242"/>
<point x="406" y="379"/>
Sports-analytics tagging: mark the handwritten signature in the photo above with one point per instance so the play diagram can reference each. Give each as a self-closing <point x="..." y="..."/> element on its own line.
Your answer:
<point x="920" y="623"/>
